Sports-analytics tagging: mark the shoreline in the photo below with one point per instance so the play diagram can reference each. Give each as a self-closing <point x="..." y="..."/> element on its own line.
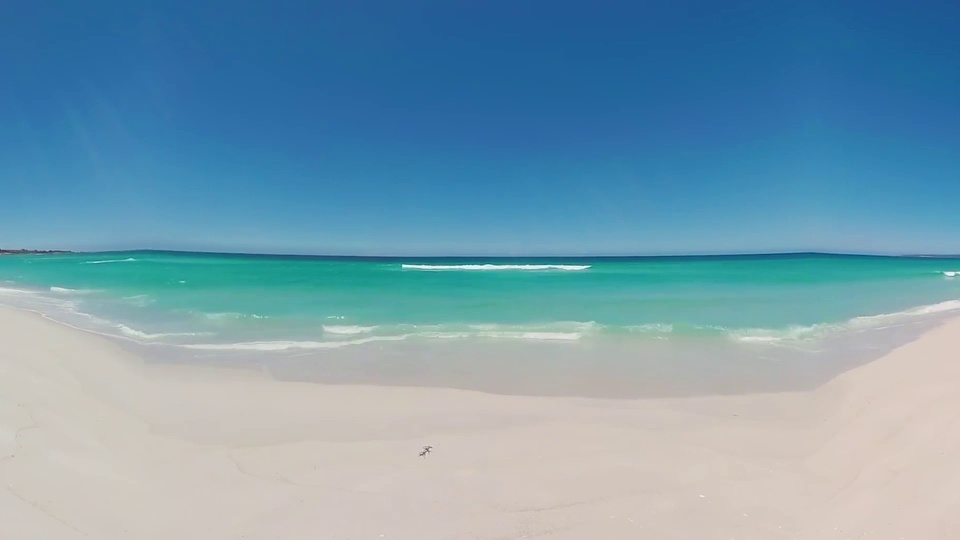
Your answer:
<point x="607" y="367"/>
<point x="95" y="442"/>
<point x="604" y="368"/>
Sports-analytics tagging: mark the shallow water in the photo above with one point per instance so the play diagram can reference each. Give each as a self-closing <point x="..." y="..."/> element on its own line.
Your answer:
<point x="237" y="302"/>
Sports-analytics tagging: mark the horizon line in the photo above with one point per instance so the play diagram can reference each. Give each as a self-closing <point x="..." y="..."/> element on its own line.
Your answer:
<point x="520" y="256"/>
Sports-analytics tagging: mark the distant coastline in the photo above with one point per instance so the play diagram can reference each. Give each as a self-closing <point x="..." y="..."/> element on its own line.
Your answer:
<point x="31" y="251"/>
<point x="599" y="257"/>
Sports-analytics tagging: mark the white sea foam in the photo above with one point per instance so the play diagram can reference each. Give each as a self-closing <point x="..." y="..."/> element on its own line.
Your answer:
<point x="128" y="259"/>
<point x="286" y="345"/>
<point x="555" y="331"/>
<point x="290" y="345"/>
<point x="942" y="307"/>
<point x="495" y="332"/>
<point x="17" y="292"/>
<point x="536" y="336"/>
<point x="950" y="273"/>
<point x="139" y="334"/>
<point x="653" y="328"/>
<point x="495" y="267"/>
<point x="66" y="290"/>
<point x="556" y="326"/>
<point x="220" y="317"/>
<point x="800" y="333"/>
<point x="768" y="335"/>
<point x="758" y="339"/>
<point x="348" y="330"/>
<point x="141" y="300"/>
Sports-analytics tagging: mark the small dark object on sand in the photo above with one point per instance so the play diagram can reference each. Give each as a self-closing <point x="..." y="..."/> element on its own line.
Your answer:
<point x="426" y="450"/>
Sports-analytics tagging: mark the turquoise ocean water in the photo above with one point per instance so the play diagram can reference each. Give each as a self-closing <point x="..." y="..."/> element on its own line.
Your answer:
<point x="280" y="303"/>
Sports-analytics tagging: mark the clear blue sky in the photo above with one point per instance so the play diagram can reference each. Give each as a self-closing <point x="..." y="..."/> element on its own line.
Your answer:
<point x="481" y="127"/>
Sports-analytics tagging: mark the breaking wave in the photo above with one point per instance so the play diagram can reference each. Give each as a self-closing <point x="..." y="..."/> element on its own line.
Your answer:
<point x="129" y="259"/>
<point x="495" y="267"/>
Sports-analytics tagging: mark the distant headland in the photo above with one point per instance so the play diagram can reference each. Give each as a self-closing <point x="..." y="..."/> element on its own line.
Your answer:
<point x="31" y="251"/>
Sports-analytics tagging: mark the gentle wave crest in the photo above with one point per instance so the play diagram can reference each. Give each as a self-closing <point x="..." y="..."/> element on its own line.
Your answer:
<point x="139" y="334"/>
<point x="17" y="292"/>
<point x="290" y="345"/>
<point x="654" y="328"/>
<point x="286" y="345"/>
<point x="141" y="300"/>
<point x="537" y="336"/>
<point x="495" y="267"/>
<point x="801" y="333"/>
<point x="950" y="273"/>
<point x="348" y="330"/>
<point x="942" y="307"/>
<point x="63" y="290"/>
<point x="226" y="316"/>
<point x="772" y="336"/>
<point x="129" y="259"/>
<point x="67" y="290"/>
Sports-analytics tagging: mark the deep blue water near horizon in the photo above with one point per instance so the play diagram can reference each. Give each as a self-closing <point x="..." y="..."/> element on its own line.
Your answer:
<point x="558" y="258"/>
<point x="763" y="306"/>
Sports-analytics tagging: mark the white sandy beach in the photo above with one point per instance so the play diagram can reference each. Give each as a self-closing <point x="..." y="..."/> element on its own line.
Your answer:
<point x="95" y="444"/>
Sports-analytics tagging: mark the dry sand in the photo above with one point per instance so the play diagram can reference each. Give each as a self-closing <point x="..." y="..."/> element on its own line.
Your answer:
<point x="95" y="444"/>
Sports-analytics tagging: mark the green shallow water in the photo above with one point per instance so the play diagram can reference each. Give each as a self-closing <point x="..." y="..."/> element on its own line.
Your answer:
<point x="278" y="303"/>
